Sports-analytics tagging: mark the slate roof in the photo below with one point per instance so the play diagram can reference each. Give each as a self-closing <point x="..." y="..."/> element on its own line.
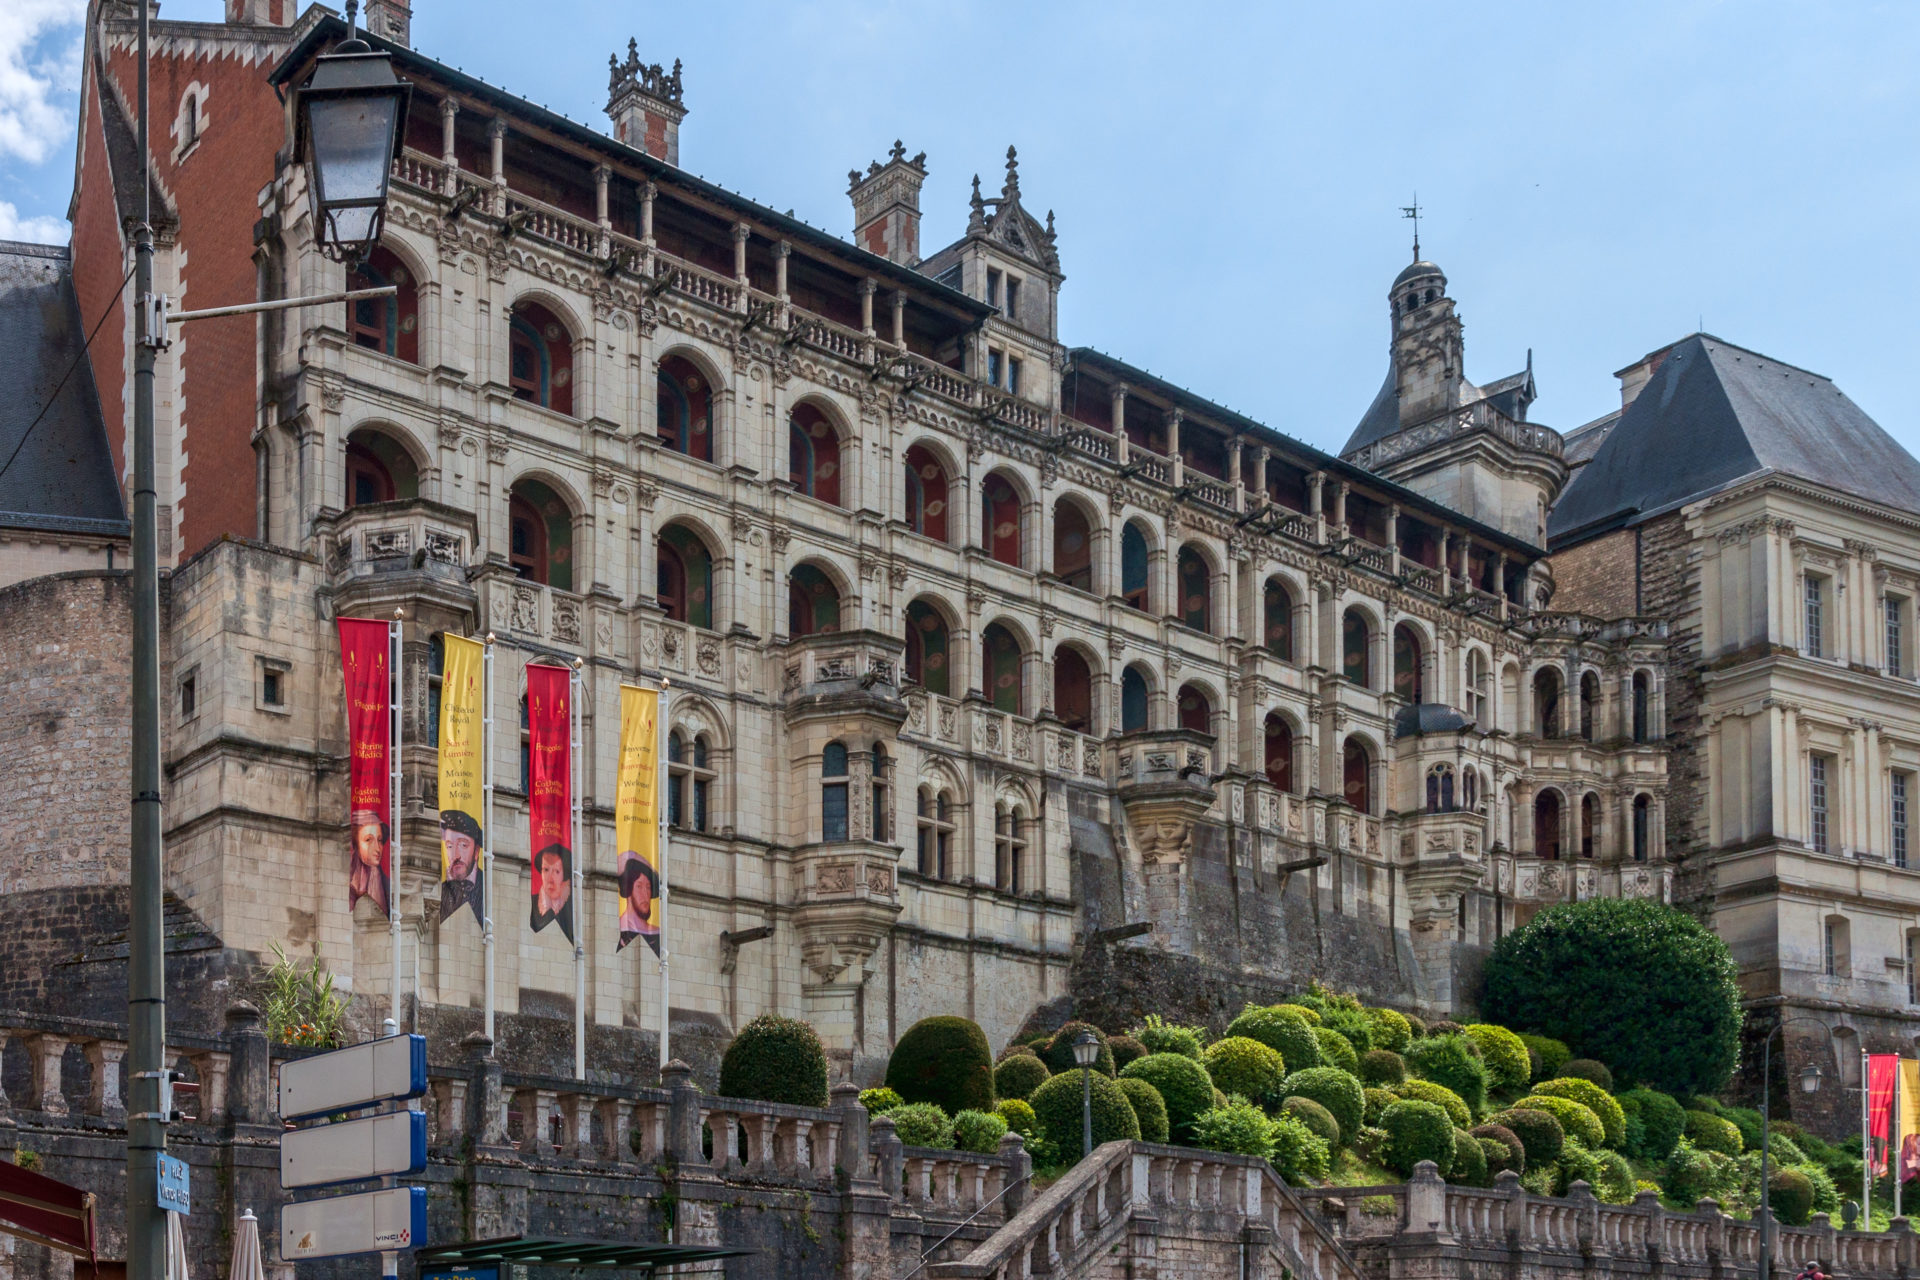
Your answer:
<point x="1713" y="414"/>
<point x="63" y="477"/>
<point x="1418" y="719"/>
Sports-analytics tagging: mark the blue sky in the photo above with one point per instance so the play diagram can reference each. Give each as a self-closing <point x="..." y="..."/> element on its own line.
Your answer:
<point x="1598" y="179"/>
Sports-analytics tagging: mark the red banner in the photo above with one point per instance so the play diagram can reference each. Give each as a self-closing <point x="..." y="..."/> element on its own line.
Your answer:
<point x="363" y="658"/>
<point x="550" y="796"/>
<point x="1882" y="1070"/>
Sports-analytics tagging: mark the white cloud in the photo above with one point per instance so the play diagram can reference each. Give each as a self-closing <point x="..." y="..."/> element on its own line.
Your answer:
<point x="32" y="230"/>
<point x="39" y="65"/>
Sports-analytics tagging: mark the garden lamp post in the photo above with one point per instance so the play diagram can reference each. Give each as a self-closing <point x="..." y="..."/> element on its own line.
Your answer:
<point x="1086" y="1052"/>
<point x="1809" y="1083"/>
<point x="348" y="126"/>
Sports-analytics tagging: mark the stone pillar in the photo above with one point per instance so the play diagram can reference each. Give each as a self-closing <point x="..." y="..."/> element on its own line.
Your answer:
<point x="104" y="1095"/>
<point x="1178" y="466"/>
<point x="1446" y="564"/>
<point x="868" y="287"/>
<point x="44" y="1052"/>
<point x="1120" y="442"/>
<point x="1013" y="1150"/>
<point x="900" y="319"/>
<point x="1234" y="481"/>
<point x="782" y="250"/>
<point x="683" y="1114"/>
<point x="449" y="158"/>
<point x="1259" y="485"/>
<point x="486" y="1098"/>
<point x="250" y="1097"/>
<point x="741" y="234"/>
<point x="647" y="193"/>
<point x="1426" y="1200"/>
<point x="1316" y="503"/>
<point x="602" y="175"/>
<point x="1340" y="507"/>
<point x="888" y="1156"/>
<point x="497" y="141"/>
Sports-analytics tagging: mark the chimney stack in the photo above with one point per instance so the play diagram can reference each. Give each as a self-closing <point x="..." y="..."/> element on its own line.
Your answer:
<point x="645" y="105"/>
<point x="391" y="20"/>
<point x="886" y="205"/>
<point x="262" y="13"/>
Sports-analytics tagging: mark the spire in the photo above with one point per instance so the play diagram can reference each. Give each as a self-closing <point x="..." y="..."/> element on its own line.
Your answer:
<point x="1012" y="190"/>
<point x="977" y="220"/>
<point x="1413" y="211"/>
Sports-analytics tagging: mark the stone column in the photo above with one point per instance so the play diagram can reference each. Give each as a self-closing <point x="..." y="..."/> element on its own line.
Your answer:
<point x="1013" y="1150"/>
<point x="889" y="1159"/>
<point x="683" y="1114"/>
<point x="497" y="141"/>
<point x="1259" y="485"/>
<point x="1233" y="473"/>
<point x="1340" y="507"/>
<point x="486" y="1098"/>
<point x="602" y="175"/>
<point x="1446" y="564"/>
<point x="250" y="1099"/>
<point x="782" y="250"/>
<point x="900" y="319"/>
<point x="741" y="234"/>
<point x="449" y="158"/>
<point x="868" y="287"/>
<point x="1393" y="536"/>
<point x="1316" y="502"/>
<point x="104" y="1096"/>
<point x="1178" y="466"/>
<point x="44" y="1052"/>
<point x="647" y="193"/>
<point x="854" y="1131"/>
<point x="1120" y="443"/>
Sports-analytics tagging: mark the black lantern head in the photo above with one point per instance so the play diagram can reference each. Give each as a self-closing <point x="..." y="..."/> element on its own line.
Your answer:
<point x="349" y="123"/>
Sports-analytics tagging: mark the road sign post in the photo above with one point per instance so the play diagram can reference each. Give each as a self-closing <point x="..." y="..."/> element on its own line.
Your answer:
<point x="382" y="1221"/>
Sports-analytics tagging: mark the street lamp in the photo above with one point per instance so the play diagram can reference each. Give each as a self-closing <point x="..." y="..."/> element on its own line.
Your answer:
<point x="1809" y="1083"/>
<point x="348" y="127"/>
<point x="1086" y="1052"/>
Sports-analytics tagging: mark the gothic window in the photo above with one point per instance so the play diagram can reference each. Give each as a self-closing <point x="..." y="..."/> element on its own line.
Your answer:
<point x="1000" y="669"/>
<point x="540" y="535"/>
<point x="683" y="409"/>
<point x="926" y="494"/>
<point x="1000" y="520"/>
<point x="1196" y="709"/>
<point x="1642" y="823"/>
<point x="540" y="358"/>
<point x="1009" y="848"/>
<point x="1589" y="823"/>
<point x="1546" y="702"/>
<point x="813" y="449"/>
<point x="1589" y="704"/>
<point x="1355" y="661"/>
<point x="1546" y="824"/>
<point x="834" y="782"/>
<point x="1196" y="590"/>
<point x="1133" y="701"/>
<point x="684" y="586"/>
<point x="1641" y="689"/>
<point x="1279" y="754"/>
<point x="1406" y="663"/>
<point x="1072" y="690"/>
<point x="1072" y="545"/>
<point x="882" y="794"/>
<point x="934" y="834"/>
<point x="1440" y="789"/>
<point x="813" y="602"/>
<point x="927" y="656"/>
<point x="1356" y="769"/>
<point x="689" y="781"/>
<point x="1134" y="567"/>
<point x="388" y="325"/>
<point x="1277" y="603"/>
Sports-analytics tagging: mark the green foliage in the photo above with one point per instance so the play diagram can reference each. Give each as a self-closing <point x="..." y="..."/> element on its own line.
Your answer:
<point x="1239" y="1127"/>
<point x="880" y="1101"/>
<point x="1469" y="1161"/>
<point x="1021" y="1120"/>
<point x="1300" y="1155"/>
<point x="1427" y="1091"/>
<point x="1451" y="1060"/>
<point x="1314" y="1116"/>
<point x="1693" y="1174"/>
<point x="1746" y="1120"/>
<point x="1371" y="1145"/>
<point x="1160" y="1036"/>
<point x="1336" y="1050"/>
<point x="1499" y="1156"/>
<point x="1826" y="1196"/>
<point x="1336" y="1090"/>
<point x="1391" y="1030"/>
<point x="1577" y="1164"/>
<point x="1445" y="1027"/>
<point x="979" y="1131"/>
<point x="299" y="1003"/>
<point x="1595" y="1099"/>
<point x="1183" y="1084"/>
<point x="1057" y="1106"/>
<point x="1508" y="1066"/>
<point x="1784" y="1151"/>
<point x="1284" y="1030"/>
<point x="1587" y="1069"/>
<point x="1125" y="1049"/>
<point x="1540" y="1134"/>
<point x="1417" y="1131"/>
<point x="922" y="1124"/>
<point x="1576" y="1119"/>
<point x="1239" y="1064"/>
<point x="1711" y="1133"/>
<point x="1552" y="1054"/>
<point x="1382" y="1066"/>
<point x="1515" y="1157"/>
<point x="1661" y="1119"/>
<point x="1058" y="1053"/>
<point x="776" y="1059"/>
<point x="946" y="1061"/>
<point x="1355" y="1024"/>
<point x="1019" y="1076"/>
<point x="1016" y="1049"/>
<point x="1790" y="1196"/>
<point x="1149" y="1108"/>
<point x="1311" y="1015"/>
<point x="1417" y="1025"/>
<point x="1376" y="1102"/>
<point x="1634" y="983"/>
<point x="1617" y="1182"/>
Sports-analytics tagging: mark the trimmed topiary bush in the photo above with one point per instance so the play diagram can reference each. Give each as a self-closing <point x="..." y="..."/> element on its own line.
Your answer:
<point x="1586" y="1069"/>
<point x="1445" y="1027"/>
<point x="1469" y="1161"/>
<point x="1617" y="1182"/>
<point x="1383" y="1067"/>
<point x="1019" y="1076"/>
<point x="1183" y="1085"/>
<point x="922" y="1124"/>
<point x="1391" y="1030"/>
<point x="1595" y="1099"/>
<point x="945" y="1061"/>
<point x="1376" y="1102"/>
<point x="1506" y="1139"/>
<point x="1427" y="1091"/>
<point x="1315" y="1117"/>
<point x="1415" y="1024"/>
<point x="1540" y="1134"/>
<point x="1311" y="1015"/>
<point x="1244" y="1066"/>
<point x="1354" y="1024"/>
<point x="1662" y="1122"/>
<point x="1417" y="1131"/>
<point x="1711" y="1133"/>
<point x="1577" y="1120"/>
<point x="1239" y="1127"/>
<point x="1021" y="1120"/>
<point x="1125" y="1049"/>
<point x="1577" y="1164"/>
<point x="1451" y="1060"/>
<point x="1552" y="1054"/>
<point x="1746" y="1120"/>
<point x="1635" y="983"/>
<point x="1284" y="1030"/>
<point x="1016" y="1049"/>
<point x="1337" y="1051"/>
<point x="1508" y="1066"/>
<point x="776" y="1059"/>
<point x="1160" y="1036"/>
<point x="1790" y="1196"/>
<point x="1058" y="1053"/>
<point x="979" y="1131"/>
<point x="1300" y="1156"/>
<point x="1334" y="1089"/>
<point x="1149" y="1108"/>
<point x="880" y="1101"/>
<point x="1693" y="1173"/>
<point x="1056" y="1104"/>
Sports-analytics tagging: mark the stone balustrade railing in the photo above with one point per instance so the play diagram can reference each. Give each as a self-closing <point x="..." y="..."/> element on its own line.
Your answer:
<point x="75" y="1070"/>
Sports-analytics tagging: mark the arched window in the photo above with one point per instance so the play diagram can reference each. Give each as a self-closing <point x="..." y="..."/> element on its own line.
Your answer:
<point x="926" y="494"/>
<point x="1009" y="848"/>
<point x="1476" y="683"/>
<point x="378" y="469"/>
<point x="934" y="834"/>
<point x="882" y="793"/>
<point x="1072" y="690"/>
<point x="1000" y="669"/>
<point x="1589" y="704"/>
<point x="1640" y="702"/>
<point x="685" y="577"/>
<point x="1546" y="824"/>
<point x="689" y="779"/>
<point x="833" y="792"/>
<point x="1470" y="790"/>
<point x="1406" y="663"/>
<point x="1133" y="568"/>
<point x="1440" y="789"/>
<point x="540" y="358"/>
<point x="1589" y="823"/>
<point x="1279" y="752"/>
<point x="1196" y="590"/>
<point x="1133" y="700"/>
<point x="1196" y="709"/>
<point x="1356" y="770"/>
<point x="683" y="409"/>
<point x="1072" y="545"/>
<point x="1356" y="660"/>
<point x="927" y="658"/>
<point x="1642" y="827"/>
<point x="813" y="449"/>
<point x="1000" y="520"/>
<point x="1546" y="702"/>
<point x="1277" y="602"/>
<point x="540" y="535"/>
<point x="813" y="602"/>
<point x="391" y="325"/>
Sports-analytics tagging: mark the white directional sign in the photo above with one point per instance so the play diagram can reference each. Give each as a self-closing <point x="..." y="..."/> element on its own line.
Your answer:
<point x="352" y="1150"/>
<point x="377" y="1071"/>
<point x="374" y="1222"/>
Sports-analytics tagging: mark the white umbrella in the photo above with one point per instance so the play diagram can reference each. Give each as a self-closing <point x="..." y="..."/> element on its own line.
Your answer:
<point x="246" y="1250"/>
<point x="176" y="1249"/>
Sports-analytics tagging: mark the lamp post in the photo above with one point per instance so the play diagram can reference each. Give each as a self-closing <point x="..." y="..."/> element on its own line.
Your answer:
<point x="1809" y="1083"/>
<point x="1086" y="1052"/>
<point x="348" y="127"/>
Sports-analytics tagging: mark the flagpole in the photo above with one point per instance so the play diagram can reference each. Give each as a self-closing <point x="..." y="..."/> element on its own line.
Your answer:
<point x="1893" y="1128"/>
<point x="396" y="696"/>
<point x="579" y="911"/>
<point x="486" y="823"/>
<point x="660" y="792"/>
<point x="1866" y="1141"/>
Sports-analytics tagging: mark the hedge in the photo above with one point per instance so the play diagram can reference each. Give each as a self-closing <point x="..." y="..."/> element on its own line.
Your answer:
<point x="1183" y="1085"/>
<point x="1500" y="1135"/>
<point x="946" y="1061"/>
<point x="1016" y="1049"/>
<point x="1149" y="1108"/>
<point x="880" y="1101"/>
<point x="1391" y="1030"/>
<point x="1058" y="1053"/>
<point x="1587" y="1069"/>
<point x="1711" y="1133"/>
<point x="1238" y="1127"/>
<point x="1299" y="1154"/>
<point x="1595" y="1099"/>
<point x="776" y="1059"/>
<point x="1314" y="1116"/>
<point x="1577" y="1164"/>
<point x="922" y="1124"/>
<point x="1540" y="1134"/>
<point x="1427" y="1091"/>
<point x="1125" y="1049"/>
<point x="1056" y="1104"/>
<point x="1662" y="1122"/>
<point x="1244" y="1066"/>
<point x="1019" y="1076"/>
<point x="1552" y="1053"/>
<point x="1382" y="1066"/>
<point x="1160" y="1036"/>
<point x="1417" y="1131"/>
<point x="1469" y="1161"/>
<point x="1281" y="1029"/>
<point x="1333" y="1089"/>
<point x="1693" y="1174"/>
<point x="1451" y="1060"/>
<point x="1617" y="1183"/>
<point x="1576" y="1119"/>
<point x="1312" y="1016"/>
<point x="1508" y="1066"/>
<point x="1337" y="1051"/>
<point x="979" y="1131"/>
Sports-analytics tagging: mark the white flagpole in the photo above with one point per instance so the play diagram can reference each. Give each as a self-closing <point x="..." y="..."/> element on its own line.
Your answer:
<point x="660" y="794"/>
<point x="396" y="696"/>
<point x="579" y="911"/>
<point x="486" y="822"/>
<point x="1866" y="1141"/>
<point x="1893" y="1127"/>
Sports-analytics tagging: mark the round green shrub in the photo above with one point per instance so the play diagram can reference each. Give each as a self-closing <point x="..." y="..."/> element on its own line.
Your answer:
<point x="1183" y="1085"/>
<point x="1617" y="1183"/>
<point x="979" y="1131"/>
<point x="1785" y="1151"/>
<point x="1391" y="1030"/>
<point x="1701" y="1102"/>
<point x="1315" y="1117"/>
<point x="776" y="1059"/>
<point x="1692" y="1174"/>
<point x="1160" y="1036"/>
<point x="1826" y="1196"/>
<point x="1587" y="1069"/>
<point x="1417" y="1131"/>
<point x="1515" y="1157"/>
<point x="1058" y="1053"/>
<point x="1427" y="1091"/>
<point x="1376" y="1102"/>
<point x="1019" y="1117"/>
<point x="1540" y="1134"/>
<point x="1505" y="1056"/>
<point x="1354" y="1024"/>
<point x="880" y="1101"/>
<point x="1577" y="1119"/>
<point x="1244" y="1066"/>
<point x="1469" y="1161"/>
<point x="1662" y="1122"/>
<point x="1300" y="1155"/>
<point x="1595" y="1099"/>
<point x="922" y="1124"/>
<point x="1017" y="1049"/>
<point x="1336" y="1090"/>
<point x="1635" y="983"/>
<point x="1125" y="1049"/>
<point x="1498" y="1155"/>
<point x="1057" y="1106"/>
<point x="1382" y="1066"/>
<point x="1019" y="1076"/>
<point x="1746" y="1120"/>
<point x="1337" y="1051"/>
<point x="1417" y="1025"/>
<point x="1371" y="1145"/>
<point x="1238" y="1127"/>
<point x="1445" y="1027"/>
<point x="946" y="1061"/>
<point x="1149" y="1108"/>
<point x="1283" y="1030"/>
<point x="1552" y="1054"/>
<point x="1711" y="1133"/>
<point x="1311" y="1015"/>
<point x="1790" y="1196"/>
<point x="1451" y="1060"/>
<point x="1576" y="1164"/>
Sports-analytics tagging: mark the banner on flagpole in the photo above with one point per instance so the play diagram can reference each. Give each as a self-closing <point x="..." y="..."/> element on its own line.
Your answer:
<point x="1882" y="1068"/>
<point x="636" y="816"/>
<point x="363" y="660"/>
<point x="550" y="796"/>
<point x="463" y="844"/>
<point x="1909" y="1118"/>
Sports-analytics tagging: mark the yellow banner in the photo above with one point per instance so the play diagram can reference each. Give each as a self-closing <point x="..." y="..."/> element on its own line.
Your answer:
<point x="462" y="768"/>
<point x="636" y="816"/>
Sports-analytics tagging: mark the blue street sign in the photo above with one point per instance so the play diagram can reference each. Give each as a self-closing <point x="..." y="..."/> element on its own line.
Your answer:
<point x="462" y="1273"/>
<point x="173" y="1191"/>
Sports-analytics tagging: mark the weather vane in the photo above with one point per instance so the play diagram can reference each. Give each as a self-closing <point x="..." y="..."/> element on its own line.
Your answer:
<point x="1413" y="211"/>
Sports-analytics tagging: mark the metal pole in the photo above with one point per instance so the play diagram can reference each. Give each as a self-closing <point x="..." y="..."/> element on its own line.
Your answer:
<point x="1086" y="1112"/>
<point x="579" y="912"/>
<point x="146" y="956"/>
<point x="396" y="695"/>
<point x="1766" y="1136"/>
<point x="1866" y="1143"/>
<point x="1897" y="1138"/>
<point x="282" y="304"/>
<point x="486" y="822"/>
<point x="660" y="802"/>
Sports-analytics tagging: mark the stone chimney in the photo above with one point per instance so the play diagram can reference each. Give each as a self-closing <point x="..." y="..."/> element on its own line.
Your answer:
<point x="886" y="205"/>
<point x="1635" y="376"/>
<point x="645" y="105"/>
<point x="263" y="13"/>
<point x="391" y="20"/>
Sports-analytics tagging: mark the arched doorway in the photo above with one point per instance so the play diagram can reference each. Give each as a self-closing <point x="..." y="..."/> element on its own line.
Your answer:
<point x="1072" y="690"/>
<point x="1279" y="753"/>
<point x="1546" y="824"/>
